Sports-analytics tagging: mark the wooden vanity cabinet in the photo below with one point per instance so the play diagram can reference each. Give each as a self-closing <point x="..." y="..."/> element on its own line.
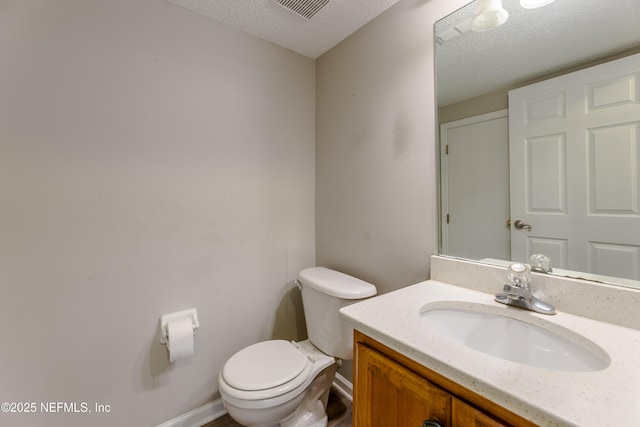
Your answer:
<point x="391" y="390"/>
<point x="388" y="394"/>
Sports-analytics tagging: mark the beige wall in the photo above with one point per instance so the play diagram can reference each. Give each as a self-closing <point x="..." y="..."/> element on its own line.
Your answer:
<point x="474" y="107"/>
<point x="376" y="181"/>
<point x="150" y="161"/>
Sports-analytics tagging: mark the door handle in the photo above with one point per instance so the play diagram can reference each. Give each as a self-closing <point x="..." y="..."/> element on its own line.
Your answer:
<point x="519" y="225"/>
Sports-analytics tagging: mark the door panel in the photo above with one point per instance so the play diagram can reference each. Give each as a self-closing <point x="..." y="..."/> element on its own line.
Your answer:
<point x="574" y="169"/>
<point x="546" y="175"/>
<point x="612" y="160"/>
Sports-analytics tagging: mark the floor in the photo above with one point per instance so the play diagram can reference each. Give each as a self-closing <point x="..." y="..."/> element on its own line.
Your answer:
<point x="338" y="409"/>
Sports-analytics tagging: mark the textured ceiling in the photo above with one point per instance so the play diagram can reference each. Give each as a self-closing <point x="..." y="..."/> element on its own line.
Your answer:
<point x="532" y="44"/>
<point x="267" y="20"/>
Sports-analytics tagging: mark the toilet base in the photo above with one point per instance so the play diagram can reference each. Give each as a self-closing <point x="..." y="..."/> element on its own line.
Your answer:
<point x="321" y="423"/>
<point x="313" y="410"/>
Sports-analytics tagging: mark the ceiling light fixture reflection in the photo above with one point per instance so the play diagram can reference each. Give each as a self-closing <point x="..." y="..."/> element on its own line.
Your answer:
<point x="533" y="4"/>
<point x="489" y="15"/>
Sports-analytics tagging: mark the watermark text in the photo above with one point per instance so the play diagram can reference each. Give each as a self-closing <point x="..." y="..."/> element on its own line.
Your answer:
<point x="54" y="407"/>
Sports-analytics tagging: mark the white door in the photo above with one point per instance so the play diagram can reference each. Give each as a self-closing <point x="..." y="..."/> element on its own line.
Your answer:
<point x="475" y="186"/>
<point x="574" y="169"/>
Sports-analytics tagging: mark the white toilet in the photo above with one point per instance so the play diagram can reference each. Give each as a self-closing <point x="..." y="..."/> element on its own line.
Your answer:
<point x="282" y="383"/>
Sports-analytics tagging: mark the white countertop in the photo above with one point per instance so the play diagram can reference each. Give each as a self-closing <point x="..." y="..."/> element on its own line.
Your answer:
<point x="610" y="397"/>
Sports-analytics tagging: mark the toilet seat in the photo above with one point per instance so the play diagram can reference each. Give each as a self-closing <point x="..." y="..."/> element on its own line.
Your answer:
<point x="265" y="370"/>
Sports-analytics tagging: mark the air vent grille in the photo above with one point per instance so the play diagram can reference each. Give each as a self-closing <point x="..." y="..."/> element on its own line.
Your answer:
<point x="304" y="8"/>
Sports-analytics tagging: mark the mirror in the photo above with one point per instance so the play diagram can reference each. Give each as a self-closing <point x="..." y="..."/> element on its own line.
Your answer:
<point x="474" y="73"/>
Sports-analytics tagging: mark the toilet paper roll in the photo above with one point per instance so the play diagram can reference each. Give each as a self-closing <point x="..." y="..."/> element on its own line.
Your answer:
<point x="180" y="338"/>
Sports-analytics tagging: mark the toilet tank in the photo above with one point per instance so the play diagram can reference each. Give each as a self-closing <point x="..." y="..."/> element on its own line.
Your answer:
<point x="324" y="293"/>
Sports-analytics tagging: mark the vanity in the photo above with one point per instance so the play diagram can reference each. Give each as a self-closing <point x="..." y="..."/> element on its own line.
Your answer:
<point x="395" y="390"/>
<point x="443" y="353"/>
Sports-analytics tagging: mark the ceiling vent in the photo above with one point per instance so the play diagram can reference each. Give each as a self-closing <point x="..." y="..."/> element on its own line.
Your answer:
<point x="304" y="8"/>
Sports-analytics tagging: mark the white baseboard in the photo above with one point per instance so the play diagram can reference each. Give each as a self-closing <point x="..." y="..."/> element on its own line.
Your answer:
<point x="343" y="386"/>
<point x="199" y="416"/>
<point x="214" y="410"/>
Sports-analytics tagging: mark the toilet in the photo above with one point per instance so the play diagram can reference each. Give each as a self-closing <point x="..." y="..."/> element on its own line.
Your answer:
<point x="282" y="383"/>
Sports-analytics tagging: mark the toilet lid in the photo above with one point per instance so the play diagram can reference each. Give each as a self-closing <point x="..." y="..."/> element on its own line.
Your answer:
<point x="264" y="365"/>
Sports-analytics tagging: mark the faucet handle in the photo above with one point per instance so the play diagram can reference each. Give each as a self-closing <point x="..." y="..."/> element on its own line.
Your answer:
<point x="540" y="263"/>
<point x="519" y="274"/>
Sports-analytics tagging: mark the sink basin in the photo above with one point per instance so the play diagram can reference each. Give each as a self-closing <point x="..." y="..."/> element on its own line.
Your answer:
<point x="498" y="335"/>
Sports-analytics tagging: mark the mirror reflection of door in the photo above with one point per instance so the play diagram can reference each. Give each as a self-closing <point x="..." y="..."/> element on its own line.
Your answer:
<point x="475" y="187"/>
<point x="584" y="213"/>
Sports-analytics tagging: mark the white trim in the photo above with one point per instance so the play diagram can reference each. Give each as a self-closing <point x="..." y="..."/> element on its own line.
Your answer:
<point x="199" y="416"/>
<point x="214" y="410"/>
<point x="343" y="386"/>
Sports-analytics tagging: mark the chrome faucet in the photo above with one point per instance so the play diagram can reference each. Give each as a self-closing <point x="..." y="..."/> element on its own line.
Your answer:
<point x="518" y="293"/>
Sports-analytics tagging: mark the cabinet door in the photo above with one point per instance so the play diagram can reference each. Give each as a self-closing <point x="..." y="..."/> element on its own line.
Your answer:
<point x="390" y="395"/>
<point x="468" y="416"/>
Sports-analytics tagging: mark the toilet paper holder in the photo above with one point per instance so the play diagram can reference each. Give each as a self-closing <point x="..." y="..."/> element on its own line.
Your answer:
<point x="166" y="318"/>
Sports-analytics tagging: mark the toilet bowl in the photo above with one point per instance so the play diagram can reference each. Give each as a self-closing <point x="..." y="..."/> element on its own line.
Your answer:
<point x="283" y="377"/>
<point x="282" y="383"/>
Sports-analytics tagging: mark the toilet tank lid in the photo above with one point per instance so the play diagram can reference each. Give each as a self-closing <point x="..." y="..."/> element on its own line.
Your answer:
<point x="335" y="283"/>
